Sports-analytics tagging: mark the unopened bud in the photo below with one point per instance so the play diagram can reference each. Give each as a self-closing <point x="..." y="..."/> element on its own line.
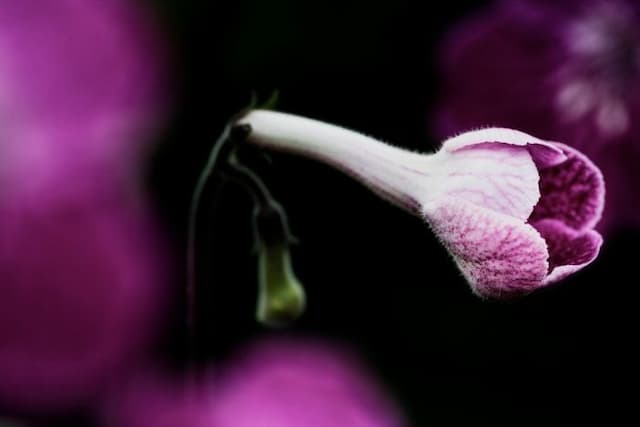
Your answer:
<point x="281" y="297"/>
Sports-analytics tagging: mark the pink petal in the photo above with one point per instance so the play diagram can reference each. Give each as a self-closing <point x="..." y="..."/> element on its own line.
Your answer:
<point x="496" y="169"/>
<point x="572" y="192"/>
<point x="500" y="256"/>
<point x="498" y="177"/>
<point x="569" y="250"/>
<point x="542" y="152"/>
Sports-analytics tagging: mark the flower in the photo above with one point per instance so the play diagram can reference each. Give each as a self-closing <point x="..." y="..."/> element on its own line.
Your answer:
<point x="566" y="71"/>
<point x="516" y="212"/>
<point x="81" y="261"/>
<point x="278" y="382"/>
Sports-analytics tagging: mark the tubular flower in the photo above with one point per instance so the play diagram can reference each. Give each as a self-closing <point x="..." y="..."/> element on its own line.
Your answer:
<point x="564" y="70"/>
<point x="516" y="212"/>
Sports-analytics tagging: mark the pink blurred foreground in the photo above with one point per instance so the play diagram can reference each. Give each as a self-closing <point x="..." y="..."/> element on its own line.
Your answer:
<point x="272" y="384"/>
<point x="80" y="279"/>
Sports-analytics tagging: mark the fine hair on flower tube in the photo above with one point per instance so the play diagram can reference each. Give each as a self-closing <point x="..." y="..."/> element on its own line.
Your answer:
<point x="517" y="213"/>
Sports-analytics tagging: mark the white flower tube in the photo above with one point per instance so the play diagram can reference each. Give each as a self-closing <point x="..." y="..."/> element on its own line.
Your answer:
<point x="393" y="173"/>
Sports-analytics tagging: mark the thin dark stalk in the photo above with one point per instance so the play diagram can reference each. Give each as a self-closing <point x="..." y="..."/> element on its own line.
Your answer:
<point x="191" y="286"/>
<point x="251" y="182"/>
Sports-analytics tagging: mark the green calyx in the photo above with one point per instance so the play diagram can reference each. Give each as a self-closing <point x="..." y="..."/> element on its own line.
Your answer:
<point x="281" y="297"/>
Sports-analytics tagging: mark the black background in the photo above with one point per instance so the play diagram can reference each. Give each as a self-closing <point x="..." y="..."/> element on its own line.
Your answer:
<point x="376" y="278"/>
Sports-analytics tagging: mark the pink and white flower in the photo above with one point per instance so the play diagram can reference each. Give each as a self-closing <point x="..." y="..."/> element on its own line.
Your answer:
<point x="516" y="212"/>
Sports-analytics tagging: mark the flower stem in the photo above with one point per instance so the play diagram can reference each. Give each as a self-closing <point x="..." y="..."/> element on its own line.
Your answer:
<point x="263" y="199"/>
<point x="191" y="286"/>
<point x="250" y="181"/>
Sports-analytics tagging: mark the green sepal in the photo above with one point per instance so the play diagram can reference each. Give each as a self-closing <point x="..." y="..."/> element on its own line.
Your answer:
<point x="281" y="296"/>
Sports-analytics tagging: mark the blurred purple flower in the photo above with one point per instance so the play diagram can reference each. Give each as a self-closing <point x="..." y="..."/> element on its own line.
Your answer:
<point x="80" y="283"/>
<point x="80" y="293"/>
<point x="153" y="398"/>
<point x="563" y="70"/>
<point x="275" y="383"/>
<point x="80" y="86"/>
<point x="289" y="385"/>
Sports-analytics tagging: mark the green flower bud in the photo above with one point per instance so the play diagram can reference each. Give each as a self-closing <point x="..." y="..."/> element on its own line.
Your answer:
<point x="281" y="297"/>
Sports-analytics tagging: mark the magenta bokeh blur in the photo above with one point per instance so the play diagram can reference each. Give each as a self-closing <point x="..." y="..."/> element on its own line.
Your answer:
<point x="82" y="265"/>
<point x="283" y="383"/>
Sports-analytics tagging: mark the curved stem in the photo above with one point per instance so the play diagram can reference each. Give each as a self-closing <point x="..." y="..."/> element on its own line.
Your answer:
<point x="251" y="181"/>
<point x="191" y="286"/>
<point x="231" y="132"/>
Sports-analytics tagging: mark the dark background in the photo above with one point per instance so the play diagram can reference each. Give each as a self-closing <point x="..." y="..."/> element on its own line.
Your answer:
<point x="376" y="278"/>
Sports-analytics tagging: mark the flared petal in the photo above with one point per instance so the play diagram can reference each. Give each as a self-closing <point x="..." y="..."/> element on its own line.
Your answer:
<point x="569" y="250"/>
<point x="500" y="256"/>
<point x="572" y="192"/>
<point x="495" y="168"/>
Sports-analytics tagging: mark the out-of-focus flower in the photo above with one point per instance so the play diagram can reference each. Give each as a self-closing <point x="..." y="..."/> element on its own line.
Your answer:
<point x="275" y="383"/>
<point x="81" y="84"/>
<point x="80" y="285"/>
<point x="563" y="70"/>
<point x="153" y="398"/>
<point x="293" y="384"/>
<point x="516" y="212"/>
<point x="80" y="276"/>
